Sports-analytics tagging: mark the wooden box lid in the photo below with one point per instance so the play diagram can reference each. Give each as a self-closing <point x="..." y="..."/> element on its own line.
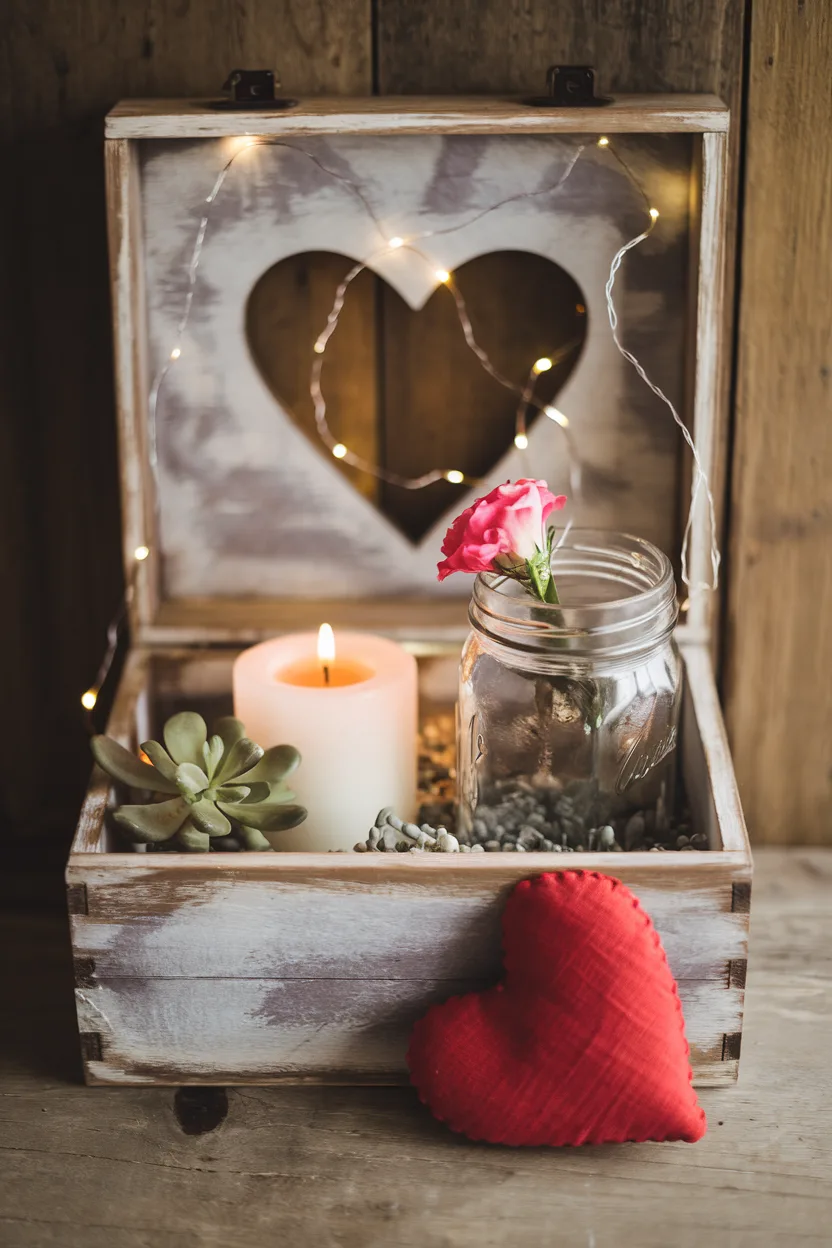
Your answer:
<point x="251" y="526"/>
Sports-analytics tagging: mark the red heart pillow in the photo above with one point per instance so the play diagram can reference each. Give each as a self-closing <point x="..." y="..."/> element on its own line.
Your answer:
<point x="582" y="1043"/>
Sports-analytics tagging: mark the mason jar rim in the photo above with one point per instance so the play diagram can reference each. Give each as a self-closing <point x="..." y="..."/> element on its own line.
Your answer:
<point x="569" y="632"/>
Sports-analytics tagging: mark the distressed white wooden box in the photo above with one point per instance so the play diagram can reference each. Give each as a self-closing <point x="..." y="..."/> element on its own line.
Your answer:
<point x="266" y="968"/>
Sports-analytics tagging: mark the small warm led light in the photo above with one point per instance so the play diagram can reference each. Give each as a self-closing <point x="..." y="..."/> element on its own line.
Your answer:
<point x="396" y="242"/>
<point x="89" y="699"/>
<point x="542" y="365"/>
<point x="339" y="450"/>
<point x="442" y="275"/>
<point x="654" y="213"/>
<point x="141" y="553"/>
<point x="603" y="141"/>
<point x="319" y="347"/>
<point x="685" y="606"/>
<point x="455" y="476"/>
<point x="242" y="142"/>
<point x="558" y="417"/>
<point x="175" y="353"/>
<point x="521" y="441"/>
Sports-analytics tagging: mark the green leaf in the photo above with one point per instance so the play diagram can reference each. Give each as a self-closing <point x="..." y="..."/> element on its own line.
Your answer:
<point x="290" y="817"/>
<point x="212" y="752"/>
<point x="160" y="759"/>
<point x="277" y="763"/>
<point x="191" y="781"/>
<point x="229" y="729"/>
<point x="209" y="819"/>
<point x="240" y="758"/>
<point x="280" y="793"/>
<point x="126" y="767"/>
<point x="158" y="821"/>
<point x="252" y="839"/>
<point x="192" y="840"/>
<point x="235" y="792"/>
<point x="551" y="591"/>
<point x="259" y="791"/>
<point x="185" y="734"/>
<point x="266" y="816"/>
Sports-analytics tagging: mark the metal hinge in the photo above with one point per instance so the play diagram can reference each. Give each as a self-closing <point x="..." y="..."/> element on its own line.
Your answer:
<point x="85" y="972"/>
<point x="741" y="898"/>
<point x="91" y="1050"/>
<point x="737" y="971"/>
<point x="76" y="899"/>
<point x="731" y="1045"/>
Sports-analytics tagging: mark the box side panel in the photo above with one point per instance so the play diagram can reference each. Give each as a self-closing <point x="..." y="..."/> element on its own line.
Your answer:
<point x="220" y="1031"/>
<point x="173" y="928"/>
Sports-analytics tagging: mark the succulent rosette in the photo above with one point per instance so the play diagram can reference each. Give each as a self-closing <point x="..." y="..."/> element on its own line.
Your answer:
<point x="507" y="531"/>
<point x="218" y="792"/>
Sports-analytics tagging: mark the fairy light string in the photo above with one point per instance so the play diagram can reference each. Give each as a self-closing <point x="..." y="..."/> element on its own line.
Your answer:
<point x="89" y="698"/>
<point x="525" y="392"/>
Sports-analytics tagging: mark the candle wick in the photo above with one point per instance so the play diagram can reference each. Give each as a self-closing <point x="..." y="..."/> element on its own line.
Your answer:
<point x="326" y="673"/>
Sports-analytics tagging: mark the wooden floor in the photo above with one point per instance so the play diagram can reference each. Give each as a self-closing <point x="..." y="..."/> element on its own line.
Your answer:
<point x="365" y="1168"/>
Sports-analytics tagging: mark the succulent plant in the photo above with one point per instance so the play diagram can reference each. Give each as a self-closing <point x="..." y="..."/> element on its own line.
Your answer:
<point x="221" y="792"/>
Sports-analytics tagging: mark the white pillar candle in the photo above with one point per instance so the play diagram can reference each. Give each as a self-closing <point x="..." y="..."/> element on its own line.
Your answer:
<point x="352" y="717"/>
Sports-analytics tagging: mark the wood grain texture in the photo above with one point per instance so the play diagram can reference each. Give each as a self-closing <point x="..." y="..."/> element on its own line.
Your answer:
<point x="458" y="114"/>
<point x="488" y="45"/>
<point x="779" y="646"/>
<point x="286" y="311"/>
<point x="62" y="67"/>
<point x="228" y="455"/>
<point x="252" y="1031"/>
<point x="314" y="965"/>
<point x="88" y="1169"/>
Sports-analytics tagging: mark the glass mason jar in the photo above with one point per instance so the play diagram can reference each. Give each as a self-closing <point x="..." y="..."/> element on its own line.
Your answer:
<point x="568" y="714"/>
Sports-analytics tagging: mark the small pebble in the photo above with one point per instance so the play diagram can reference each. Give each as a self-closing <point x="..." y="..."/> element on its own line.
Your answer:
<point x="682" y="841"/>
<point x="606" y="837"/>
<point x="390" y="839"/>
<point x="634" y="831"/>
<point x="477" y="849"/>
<point x="492" y="847"/>
<point x="699" y="840"/>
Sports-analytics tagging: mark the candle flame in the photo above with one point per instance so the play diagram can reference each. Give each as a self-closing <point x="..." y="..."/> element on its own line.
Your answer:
<point x="326" y="644"/>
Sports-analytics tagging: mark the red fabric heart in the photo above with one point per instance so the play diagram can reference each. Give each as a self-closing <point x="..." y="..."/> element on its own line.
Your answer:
<point x="582" y="1043"/>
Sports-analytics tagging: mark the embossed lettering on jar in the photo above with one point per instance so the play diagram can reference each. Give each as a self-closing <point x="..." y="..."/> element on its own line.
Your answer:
<point x="576" y="701"/>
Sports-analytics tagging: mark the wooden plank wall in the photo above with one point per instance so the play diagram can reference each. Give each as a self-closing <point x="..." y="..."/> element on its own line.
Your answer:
<point x="779" y="641"/>
<point x="63" y="65"/>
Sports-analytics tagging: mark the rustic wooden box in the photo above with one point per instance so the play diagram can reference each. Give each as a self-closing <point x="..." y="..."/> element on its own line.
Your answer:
<point x="267" y="968"/>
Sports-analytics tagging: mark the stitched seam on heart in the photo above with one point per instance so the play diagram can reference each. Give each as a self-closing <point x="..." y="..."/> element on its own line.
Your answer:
<point x="560" y="877"/>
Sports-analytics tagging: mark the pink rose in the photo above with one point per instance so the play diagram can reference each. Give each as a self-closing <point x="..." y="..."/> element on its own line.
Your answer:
<point x="509" y="524"/>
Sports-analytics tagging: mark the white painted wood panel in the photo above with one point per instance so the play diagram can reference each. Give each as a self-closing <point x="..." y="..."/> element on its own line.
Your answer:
<point x="264" y="1030"/>
<point x="630" y="114"/>
<point x="340" y="929"/>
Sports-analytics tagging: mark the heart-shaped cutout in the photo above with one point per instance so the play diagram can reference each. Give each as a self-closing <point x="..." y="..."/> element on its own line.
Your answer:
<point x="582" y="1043"/>
<point x="403" y="389"/>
